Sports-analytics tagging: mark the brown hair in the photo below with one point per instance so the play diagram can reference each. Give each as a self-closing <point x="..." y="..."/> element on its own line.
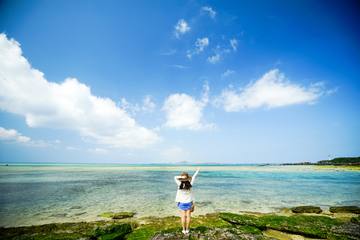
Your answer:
<point x="185" y="184"/>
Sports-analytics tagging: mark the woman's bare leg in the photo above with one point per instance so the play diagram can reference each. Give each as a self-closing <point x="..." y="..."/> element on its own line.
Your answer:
<point x="188" y="217"/>
<point x="183" y="219"/>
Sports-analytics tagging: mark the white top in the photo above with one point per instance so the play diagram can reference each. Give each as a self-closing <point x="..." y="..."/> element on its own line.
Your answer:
<point x="182" y="195"/>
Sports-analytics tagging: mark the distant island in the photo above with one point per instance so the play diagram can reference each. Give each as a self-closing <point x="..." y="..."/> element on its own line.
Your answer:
<point x="340" y="161"/>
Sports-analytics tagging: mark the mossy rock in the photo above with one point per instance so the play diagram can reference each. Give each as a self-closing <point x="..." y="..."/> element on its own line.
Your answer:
<point x="208" y="233"/>
<point x="355" y="220"/>
<point x="111" y="228"/>
<point x="113" y="232"/>
<point x="308" y="226"/>
<point x="306" y="209"/>
<point x="345" y="209"/>
<point x="152" y="226"/>
<point x="117" y="215"/>
<point x="64" y="231"/>
<point x="249" y="229"/>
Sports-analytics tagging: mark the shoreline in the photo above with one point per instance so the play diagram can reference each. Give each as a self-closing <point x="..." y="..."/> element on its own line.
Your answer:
<point x="339" y="223"/>
<point x="172" y="167"/>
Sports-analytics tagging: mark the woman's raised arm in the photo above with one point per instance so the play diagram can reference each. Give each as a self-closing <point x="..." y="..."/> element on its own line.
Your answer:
<point x="194" y="176"/>
<point x="176" y="180"/>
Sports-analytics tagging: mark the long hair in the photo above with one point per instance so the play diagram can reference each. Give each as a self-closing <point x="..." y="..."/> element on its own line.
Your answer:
<point x="185" y="185"/>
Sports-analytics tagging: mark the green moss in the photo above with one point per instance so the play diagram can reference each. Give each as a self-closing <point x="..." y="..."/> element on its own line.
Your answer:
<point x="114" y="231"/>
<point x="311" y="226"/>
<point x="213" y="226"/>
<point x="152" y="225"/>
<point x="201" y="229"/>
<point x="117" y="215"/>
<point x="66" y="230"/>
<point x="345" y="209"/>
<point x="249" y="229"/>
<point x="355" y="220"/>
<point x="106" y="214"/>
<point x="142" y="233"/>
<point x="306" y="209"/>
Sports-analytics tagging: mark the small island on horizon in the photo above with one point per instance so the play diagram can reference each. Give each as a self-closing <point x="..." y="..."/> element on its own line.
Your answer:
<point x="339" y="161"/>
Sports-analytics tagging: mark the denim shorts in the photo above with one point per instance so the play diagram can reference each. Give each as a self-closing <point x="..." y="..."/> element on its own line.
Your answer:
<point x="184" y="206"/>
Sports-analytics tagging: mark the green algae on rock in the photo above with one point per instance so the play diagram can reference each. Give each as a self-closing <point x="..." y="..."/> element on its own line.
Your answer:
<point x="306" y="209"/>
<point x="355" y="220"/>
<point x="215" y="226"/>
<point x="80" y="230"/>
<point x="305" y="225"/>
<point x="117" y="215"/>
<point x="116" y="231"/>
<point x="205" y="233"/>
<point x="345" y="209"/>
<point x="150" y="226"/>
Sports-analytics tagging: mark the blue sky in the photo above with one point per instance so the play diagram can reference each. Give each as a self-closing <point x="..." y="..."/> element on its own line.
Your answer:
<point x="169" y="81"/>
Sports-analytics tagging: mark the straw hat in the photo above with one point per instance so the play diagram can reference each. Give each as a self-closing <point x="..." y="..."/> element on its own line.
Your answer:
<point x="184" y="177"/>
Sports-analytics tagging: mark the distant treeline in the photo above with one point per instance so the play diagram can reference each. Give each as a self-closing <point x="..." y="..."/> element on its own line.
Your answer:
<point x="336" y="161"/>
<point x="341" y="161"/>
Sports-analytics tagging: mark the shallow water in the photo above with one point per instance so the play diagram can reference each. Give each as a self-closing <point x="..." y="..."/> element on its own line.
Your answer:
<point x="37" y="194"/>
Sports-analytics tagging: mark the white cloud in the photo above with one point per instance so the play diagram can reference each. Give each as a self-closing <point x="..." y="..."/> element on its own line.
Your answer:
<point x="271" y="90"/>
<point x="234" y="43"/>
<point x="181" y="28"/>
<point x="179" y="66"/>
<point x="209" y="11"/>
<point x="13" y="136"/>
<point x="185" y="112"/>
<point x="200" y="45"/>
<point x="67" y="105"/>
<point x="148" y="104"/>
<point x="221" y="51"/>
<point x="227" y="73"/>
<point x="214" y="58"/>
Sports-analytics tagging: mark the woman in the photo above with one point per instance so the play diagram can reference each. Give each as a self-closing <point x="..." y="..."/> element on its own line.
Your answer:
<point x="184" y="198"/>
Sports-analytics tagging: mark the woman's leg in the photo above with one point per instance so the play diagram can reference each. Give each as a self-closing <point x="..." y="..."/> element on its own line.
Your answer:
<point x="188" y="216"/>
<point x="183" y="219"/>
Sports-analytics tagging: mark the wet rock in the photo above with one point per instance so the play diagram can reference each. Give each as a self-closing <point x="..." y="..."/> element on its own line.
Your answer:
<point x="306" y="209"/>
<point x="349" y="229"/>
<point x="117" y="215"/>
<point x="203" y="203"/>
<point x="283" y="236"/>
<point x="58" y="215"/>
<point x="345" y="209"/>
<point x="79" y="213"/>
<point x="76" y="207"/>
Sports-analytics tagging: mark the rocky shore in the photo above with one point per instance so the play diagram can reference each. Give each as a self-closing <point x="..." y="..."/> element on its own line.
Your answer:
<point x="302" y="222"/>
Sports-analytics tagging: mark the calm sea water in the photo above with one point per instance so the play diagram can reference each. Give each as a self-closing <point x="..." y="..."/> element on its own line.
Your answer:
<point x="37" y="194"/>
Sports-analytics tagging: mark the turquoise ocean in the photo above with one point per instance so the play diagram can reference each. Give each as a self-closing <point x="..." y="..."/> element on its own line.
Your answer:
<point x="33" y="194"/>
